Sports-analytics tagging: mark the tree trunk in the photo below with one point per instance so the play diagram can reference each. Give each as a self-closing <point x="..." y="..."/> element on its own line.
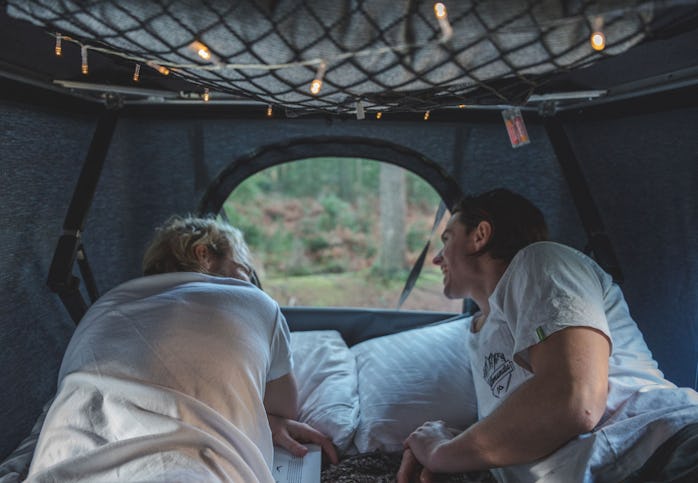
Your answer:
<point x="393" y="201"/>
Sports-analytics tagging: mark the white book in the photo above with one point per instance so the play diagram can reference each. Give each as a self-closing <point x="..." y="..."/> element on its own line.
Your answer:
<point x="294" y="469"/>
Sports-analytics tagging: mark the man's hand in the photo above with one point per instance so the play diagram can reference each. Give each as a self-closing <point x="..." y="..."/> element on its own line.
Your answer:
<point x="411" y="471"/>
<point x="420" y="447"/>
<point x="426" y="439"/>
<point x="290" y="435"/>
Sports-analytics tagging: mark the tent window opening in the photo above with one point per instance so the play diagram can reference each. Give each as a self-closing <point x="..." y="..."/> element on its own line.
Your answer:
<point x="340" y="232"/>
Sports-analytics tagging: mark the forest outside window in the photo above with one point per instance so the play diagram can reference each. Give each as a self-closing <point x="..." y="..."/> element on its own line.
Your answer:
<point x="340" y="232"/>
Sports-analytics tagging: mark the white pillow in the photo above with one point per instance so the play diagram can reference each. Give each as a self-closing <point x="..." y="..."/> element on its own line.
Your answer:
<point x="325" y="371"/>
<point x="411" y="377"/>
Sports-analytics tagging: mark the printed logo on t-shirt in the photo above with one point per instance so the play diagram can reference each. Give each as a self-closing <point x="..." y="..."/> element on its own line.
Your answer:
<point x="497" y="373"/>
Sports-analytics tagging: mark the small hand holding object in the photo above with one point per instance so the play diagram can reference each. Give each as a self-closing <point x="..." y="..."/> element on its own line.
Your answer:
<point x="290" y="434"/>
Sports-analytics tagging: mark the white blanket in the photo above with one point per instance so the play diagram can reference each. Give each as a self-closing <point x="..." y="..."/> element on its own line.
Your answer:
<point x="164" y="381"/>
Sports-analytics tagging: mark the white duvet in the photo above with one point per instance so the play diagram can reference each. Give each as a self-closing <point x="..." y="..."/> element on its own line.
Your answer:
<point x="164" y="381"/>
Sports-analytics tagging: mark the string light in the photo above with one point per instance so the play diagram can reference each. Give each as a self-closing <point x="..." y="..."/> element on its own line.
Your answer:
<point x="205" y="95"/>
<point x="59" y="48"/>
<point x="202" y="51"/>
<point x="316" y="85"/>
<point x="440" y="12"/>
<point x="160" y="68"/>
<point x="426" y="115"/>
<point x="270" y="111"/>
<point x="597" y="39"/>
<point x="379" y="114"/>
<point x="442" y="18"/>
<point x="137" y="73"/>
<point x="83" y="55"/>
<point x="461" y="106"/>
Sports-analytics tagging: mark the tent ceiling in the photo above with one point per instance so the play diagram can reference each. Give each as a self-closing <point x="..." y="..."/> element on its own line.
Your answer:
<point x="380" y="55"/>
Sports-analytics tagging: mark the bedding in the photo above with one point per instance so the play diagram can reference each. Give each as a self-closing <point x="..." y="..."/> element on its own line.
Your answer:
<point x="367" y="398"/>
<point x="410" y="377"/>
<point x="328" y="397"/>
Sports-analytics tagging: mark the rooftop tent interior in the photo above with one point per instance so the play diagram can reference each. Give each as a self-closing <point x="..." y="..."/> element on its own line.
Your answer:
<point x="626" y="152"/>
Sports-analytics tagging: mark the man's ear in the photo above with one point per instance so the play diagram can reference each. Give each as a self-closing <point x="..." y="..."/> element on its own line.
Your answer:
<point x="483" y="234"/>
<point x="203" y="256"/>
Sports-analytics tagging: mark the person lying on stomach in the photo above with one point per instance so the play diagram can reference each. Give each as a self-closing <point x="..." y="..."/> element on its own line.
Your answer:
<point x="184" y="374"/>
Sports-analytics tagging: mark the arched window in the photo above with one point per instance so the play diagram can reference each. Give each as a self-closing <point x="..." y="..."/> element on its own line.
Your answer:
<point x="340" y="231"/>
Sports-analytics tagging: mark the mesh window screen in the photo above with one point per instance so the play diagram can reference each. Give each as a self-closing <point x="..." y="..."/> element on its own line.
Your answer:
<point x="391" y="55"/>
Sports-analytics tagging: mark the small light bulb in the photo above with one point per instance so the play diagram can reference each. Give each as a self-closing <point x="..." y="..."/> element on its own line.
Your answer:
<point x="137" y="73"/>
<point x="205" y="95"/>
<point x="442" y="18"/>
<point x="461" y="106"/>
<point x="316" y="85"/>
<point x="426" y="116"/>
<point x="379" y="114"/>
<point x="59" y="47"/>
<point x="270" y="111"/>
<point x="83" y="55"/>
<point x="598" y="41"/>
<point x="202" y="51"/>
<point x="160" y="68"/>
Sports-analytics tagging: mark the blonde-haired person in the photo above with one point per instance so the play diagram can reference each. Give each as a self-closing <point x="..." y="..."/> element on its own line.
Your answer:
<point x="184" y="374"/>
<point x="190" y="244"/>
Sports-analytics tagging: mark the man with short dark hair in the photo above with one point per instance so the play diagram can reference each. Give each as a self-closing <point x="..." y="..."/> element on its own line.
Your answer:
<point x="567" y="389"/>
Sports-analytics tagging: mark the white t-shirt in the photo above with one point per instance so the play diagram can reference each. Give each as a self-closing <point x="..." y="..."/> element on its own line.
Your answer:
<point x="164" y="380"/>
<point x="548" y="287"/>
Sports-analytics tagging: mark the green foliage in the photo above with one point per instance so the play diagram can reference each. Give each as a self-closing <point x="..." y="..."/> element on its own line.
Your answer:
<point x="320" y="215"/>
<point x="416" y="237"/>
<point x="244" y="221"/>
<point x="387" y="277"/>
<point x="316" y="243"/>
<point x="337" y="212"/>
<point x="421" y="193"/>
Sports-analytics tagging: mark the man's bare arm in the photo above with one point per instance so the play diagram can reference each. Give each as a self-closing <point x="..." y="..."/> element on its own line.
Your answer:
<point x="565" y="397"/>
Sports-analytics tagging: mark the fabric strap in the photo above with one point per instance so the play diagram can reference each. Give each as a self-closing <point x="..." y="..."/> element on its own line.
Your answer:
<point x="417" y="268"/>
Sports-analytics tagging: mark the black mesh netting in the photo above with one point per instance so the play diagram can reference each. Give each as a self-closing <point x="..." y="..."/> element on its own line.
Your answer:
<point x="389" y="54"/>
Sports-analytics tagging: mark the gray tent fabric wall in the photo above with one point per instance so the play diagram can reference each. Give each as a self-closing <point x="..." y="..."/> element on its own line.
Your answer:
<point x="643" y="173"/>
<point x="41" y="153"/>
<point x="151" y="172"/>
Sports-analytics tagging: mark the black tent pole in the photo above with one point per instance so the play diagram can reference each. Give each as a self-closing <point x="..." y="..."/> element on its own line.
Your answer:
<point x="599" y="243"/>
<point x="60" y="278"/>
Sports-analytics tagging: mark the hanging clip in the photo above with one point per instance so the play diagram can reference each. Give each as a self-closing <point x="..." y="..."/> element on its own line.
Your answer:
<point x="513" y="120"/>
<point x="360" y="113"/>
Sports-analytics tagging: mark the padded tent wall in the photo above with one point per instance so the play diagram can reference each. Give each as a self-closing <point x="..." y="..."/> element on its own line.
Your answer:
<point x="41" y="154"/>
<point x="643" y="173"/>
